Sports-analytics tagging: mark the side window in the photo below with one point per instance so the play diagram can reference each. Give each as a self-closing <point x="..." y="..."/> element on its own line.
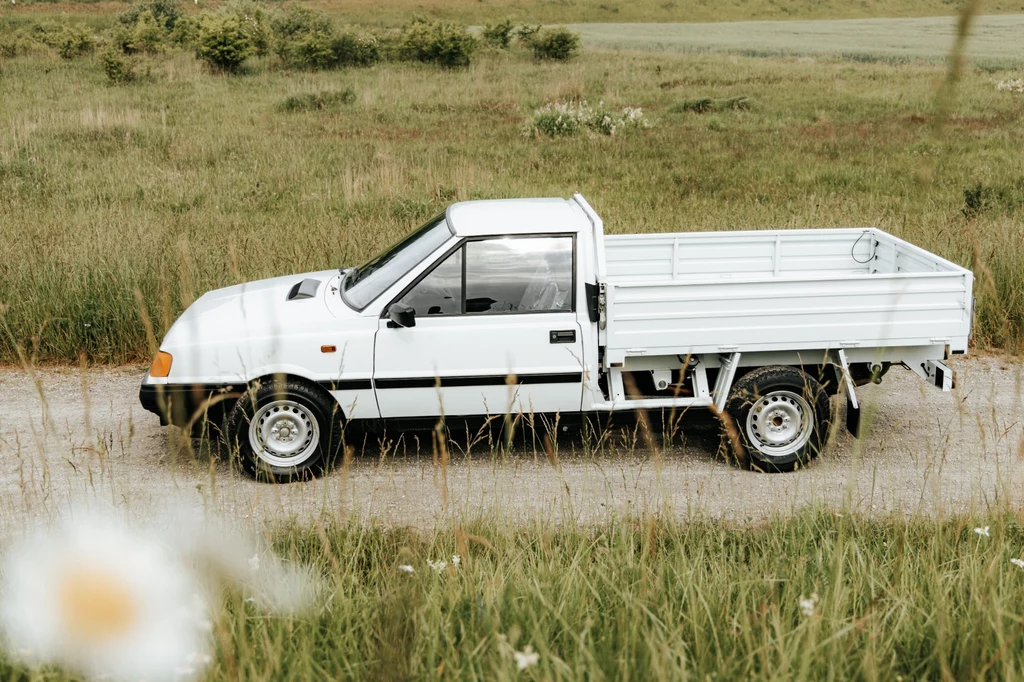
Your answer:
<point x="440" y="292"/>
<point x="519" y="275"/>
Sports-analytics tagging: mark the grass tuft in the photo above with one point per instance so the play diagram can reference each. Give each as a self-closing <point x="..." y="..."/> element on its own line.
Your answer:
<point x="319" y="101"/>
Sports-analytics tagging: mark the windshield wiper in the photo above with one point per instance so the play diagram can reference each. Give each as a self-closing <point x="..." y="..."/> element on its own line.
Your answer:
<point x="345" y="272"/>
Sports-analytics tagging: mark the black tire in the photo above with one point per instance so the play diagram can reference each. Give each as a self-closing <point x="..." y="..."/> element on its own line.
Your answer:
<point x="780" y="417"/>
<point x="296" y="408"/>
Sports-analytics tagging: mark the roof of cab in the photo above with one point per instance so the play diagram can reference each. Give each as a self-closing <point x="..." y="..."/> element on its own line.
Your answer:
<point x="515" y="216"/>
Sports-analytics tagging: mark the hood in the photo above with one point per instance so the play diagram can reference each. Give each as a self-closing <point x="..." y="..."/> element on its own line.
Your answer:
<point x="265" y="307"/>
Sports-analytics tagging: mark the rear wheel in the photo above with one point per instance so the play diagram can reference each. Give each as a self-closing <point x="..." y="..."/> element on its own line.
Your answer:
<point x="285" y="430"/>
<point x="782" y="417"/>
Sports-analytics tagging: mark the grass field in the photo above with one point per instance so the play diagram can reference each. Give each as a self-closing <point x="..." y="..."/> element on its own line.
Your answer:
<point x="993" y="41"/>
<point x="189" y="180"/>
<point x="398" y="12"/>
<point x="643" y="599"/>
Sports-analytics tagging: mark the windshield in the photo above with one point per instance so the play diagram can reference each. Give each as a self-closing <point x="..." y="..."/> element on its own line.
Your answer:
<point x="366" y="283"/>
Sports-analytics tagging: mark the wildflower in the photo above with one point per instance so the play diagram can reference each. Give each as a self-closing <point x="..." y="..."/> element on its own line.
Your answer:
<point x="254" y="562"/>
<point x="456" y="560"/>
<point x="1011" y="86"/>
<point x="526" y="658"/>
<point x="982" y="531"/>
<point x="93" y="596"/>
<point x="438" y="565"/>
<point x="1019" y="563"/>
<point x="807" y="605"/>
<point x="405" y="568"/>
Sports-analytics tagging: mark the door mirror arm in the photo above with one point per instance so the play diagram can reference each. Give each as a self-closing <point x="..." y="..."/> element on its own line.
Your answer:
<point x="401" y="315"/>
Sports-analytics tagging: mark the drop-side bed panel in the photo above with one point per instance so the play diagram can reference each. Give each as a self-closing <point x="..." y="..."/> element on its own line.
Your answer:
<point x="781" y="290"/>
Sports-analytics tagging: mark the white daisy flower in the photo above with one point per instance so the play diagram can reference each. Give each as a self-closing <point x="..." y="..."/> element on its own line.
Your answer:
<point x="1019" y="563"/>
<point x="405" y="568"/>
<point x="526" y="658"/>
<point x="456" y="560"/>
<point x="438" y="565"/>
<point x="982" y="531"/>
<point x="807" y="605"/>
<point x="93" y="596"/>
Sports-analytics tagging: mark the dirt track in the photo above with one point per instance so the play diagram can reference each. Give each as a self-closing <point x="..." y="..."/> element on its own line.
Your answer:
<point x="65" y="440"/>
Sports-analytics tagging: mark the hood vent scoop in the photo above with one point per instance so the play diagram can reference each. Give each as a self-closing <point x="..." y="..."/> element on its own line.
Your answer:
<point x="304" y="289"/>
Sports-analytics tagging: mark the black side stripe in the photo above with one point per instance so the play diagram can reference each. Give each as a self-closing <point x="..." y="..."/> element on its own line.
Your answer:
<point x="494" y="380"/>
<point x="347" y="385"/>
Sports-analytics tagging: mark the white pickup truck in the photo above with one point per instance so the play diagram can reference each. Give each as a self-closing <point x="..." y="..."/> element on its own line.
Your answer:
<point x="526" y="306"/>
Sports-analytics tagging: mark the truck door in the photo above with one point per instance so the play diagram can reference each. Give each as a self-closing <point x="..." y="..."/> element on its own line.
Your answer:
<point x="495" y="331"/>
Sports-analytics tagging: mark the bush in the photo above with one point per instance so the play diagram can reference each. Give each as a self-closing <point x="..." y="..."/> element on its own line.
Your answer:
<point x="224" y="43"/>
<point x="437" y="43"/>
<point x="148" y="34"/>
<point x="559" y="44"/>
<point x="527" y="34"/>
<point x="118" y="69"/>
<point x="14" y="44"/>
<point x="572" y="118"/>
<point x="499" y="35"/>
<point x="297" y="21"/>
<point x="252" y="21"/>
<point x="165" y="13"/>
<point x="319" y="101"/>
<point x="185" y="32"/>
<point x="306" y="39"/>
<point x="75" y="41"/>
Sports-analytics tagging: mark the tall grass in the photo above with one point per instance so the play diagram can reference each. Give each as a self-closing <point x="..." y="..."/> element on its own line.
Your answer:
<point x="644" y="599"/>
<point x="188" y="181"/>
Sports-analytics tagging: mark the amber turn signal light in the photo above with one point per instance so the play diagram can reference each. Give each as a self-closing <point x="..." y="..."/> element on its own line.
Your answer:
<point x="161" y="366"/>
<point x="328" y="349"/>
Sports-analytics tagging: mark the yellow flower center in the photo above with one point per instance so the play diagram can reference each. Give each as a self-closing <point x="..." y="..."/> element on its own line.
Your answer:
<point x="95" y="604"/>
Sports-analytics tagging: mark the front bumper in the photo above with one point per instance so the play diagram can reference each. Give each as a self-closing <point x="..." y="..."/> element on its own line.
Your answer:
<point x="185" y="404"/>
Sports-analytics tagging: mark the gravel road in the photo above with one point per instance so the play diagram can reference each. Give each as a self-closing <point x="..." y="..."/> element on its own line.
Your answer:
<point x="68" y="437"/>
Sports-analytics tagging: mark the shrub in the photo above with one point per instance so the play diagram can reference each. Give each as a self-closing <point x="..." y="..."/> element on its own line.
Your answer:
<point x="527" y="34"/>
<point x="14" y="44"/>
<point x="306" y="39"/>
<point x="185" y="32"/>
<point x="559" y="44"/>
<point x="571" y="118"/>
<point x="499" y="35"/>
<point x="166" y="14"/>
<point x="319" y="101"/>
<point x="224" y="43"/>
<point x="148" y="34"/>
<point x="118" y="69"/>
<point x="75" y="41"/>
<point x="252" y="21"/>
<point x="297" y="21"/>
<point x="438" y="43"/>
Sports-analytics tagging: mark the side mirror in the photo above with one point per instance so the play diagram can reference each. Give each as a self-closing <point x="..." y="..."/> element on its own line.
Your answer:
<point x="401" y="315"/>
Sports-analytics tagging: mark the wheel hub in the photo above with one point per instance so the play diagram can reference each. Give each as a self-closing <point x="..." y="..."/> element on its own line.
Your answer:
<point x="780" y="423"/>
<point x="283" y="433"/>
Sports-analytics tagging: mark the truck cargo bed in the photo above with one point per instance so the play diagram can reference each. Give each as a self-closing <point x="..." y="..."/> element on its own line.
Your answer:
<point x="776" y="290"/>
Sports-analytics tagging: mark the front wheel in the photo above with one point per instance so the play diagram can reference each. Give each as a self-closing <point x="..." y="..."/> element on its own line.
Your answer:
<point x="782" y="416"/>
<point x="284" y="430"/>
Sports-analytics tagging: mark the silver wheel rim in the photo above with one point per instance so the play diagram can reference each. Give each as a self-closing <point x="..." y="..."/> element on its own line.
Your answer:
<point x="284" y="433"/>
<point x="780" y="423"/>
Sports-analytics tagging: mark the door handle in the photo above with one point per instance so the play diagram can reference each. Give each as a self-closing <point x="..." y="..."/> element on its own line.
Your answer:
<point x="562" y="336"/>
